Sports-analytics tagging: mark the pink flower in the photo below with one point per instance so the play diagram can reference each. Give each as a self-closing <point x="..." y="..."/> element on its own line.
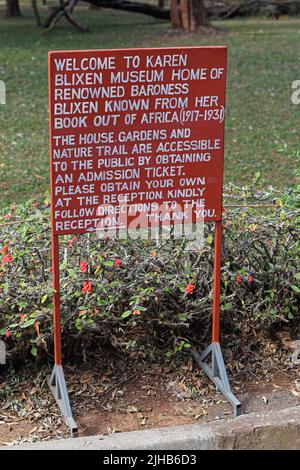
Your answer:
<point x="190" y="288"/>
<point x="87" y="287"/>
<point x="7" y="258"/>
<point x="7" y="334"/>
<point x="83" y="266"/>
<point x="118" y="262"/>
<point x="72" y="241"/>
<point x="238" y="279"/>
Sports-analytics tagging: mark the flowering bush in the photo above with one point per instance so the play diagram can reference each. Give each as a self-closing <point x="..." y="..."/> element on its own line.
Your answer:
<point x="142" y="297"/>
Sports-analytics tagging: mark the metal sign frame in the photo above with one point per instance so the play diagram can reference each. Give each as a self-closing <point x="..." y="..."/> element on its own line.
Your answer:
<point x="211" y="360"/>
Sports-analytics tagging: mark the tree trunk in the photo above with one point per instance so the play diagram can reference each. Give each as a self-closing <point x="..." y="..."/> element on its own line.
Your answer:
<point x="188" y="14"/>
<point x="176" y="18"/>
<point x="12" y="9"/>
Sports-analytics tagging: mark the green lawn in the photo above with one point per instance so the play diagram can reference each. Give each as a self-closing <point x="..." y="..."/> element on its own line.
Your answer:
<point x="262" y="123"/>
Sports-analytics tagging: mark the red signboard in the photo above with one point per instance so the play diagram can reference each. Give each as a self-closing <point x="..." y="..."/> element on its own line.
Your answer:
<point x="136" y="140"/>
<point x="136" y="132"/>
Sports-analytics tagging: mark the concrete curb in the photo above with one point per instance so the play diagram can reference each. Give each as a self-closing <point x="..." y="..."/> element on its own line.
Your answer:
<point x="273" y="430"/>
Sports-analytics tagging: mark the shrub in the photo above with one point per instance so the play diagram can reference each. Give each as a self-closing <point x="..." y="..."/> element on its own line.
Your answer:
<point x="145" y="298"/>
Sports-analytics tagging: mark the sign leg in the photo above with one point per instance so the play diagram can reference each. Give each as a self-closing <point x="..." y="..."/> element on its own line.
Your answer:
<point x="56" y="380"/>
<point x="57" y="385"/>
<point x="215" y="369"/>
<point x="217" y="283"/>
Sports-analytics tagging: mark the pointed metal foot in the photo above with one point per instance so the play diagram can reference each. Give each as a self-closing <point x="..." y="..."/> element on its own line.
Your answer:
<point x="57" y="384"/>
<point x="217" y="373"/>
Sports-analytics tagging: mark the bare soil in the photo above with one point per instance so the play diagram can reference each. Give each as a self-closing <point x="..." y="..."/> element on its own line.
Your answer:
<point x="142" y="411"/>
<point x="117" y="398"/>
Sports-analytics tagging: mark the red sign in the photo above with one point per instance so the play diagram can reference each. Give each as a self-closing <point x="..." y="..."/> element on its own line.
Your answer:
<point x="136" y="133"/>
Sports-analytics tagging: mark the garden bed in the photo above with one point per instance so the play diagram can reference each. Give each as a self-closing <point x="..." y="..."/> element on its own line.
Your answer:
<point x="134" y="308"/>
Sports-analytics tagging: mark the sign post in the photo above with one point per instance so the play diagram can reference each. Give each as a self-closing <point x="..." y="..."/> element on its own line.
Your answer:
<point x="215" y="369"/>
<point x="137" y="141"/>
<point x="56" y="380"/>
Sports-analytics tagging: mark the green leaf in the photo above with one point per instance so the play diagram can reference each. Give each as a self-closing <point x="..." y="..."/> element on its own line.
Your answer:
<point x="44" y="298"/>
<point x="227" y="306"/>
<point x="297" y="276"/>
<point x="109" y="263"/>
<point x="209" y="239"/>
<point x="126" y="314"/>
<point x="28" y="323"/>
<point x="34" y="351"/>
<point x="295" y="289"/>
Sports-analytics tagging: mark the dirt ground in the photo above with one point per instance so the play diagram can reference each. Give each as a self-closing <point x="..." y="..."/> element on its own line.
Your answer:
<point x="105" y="400"/>
<point x="141" y="410"/>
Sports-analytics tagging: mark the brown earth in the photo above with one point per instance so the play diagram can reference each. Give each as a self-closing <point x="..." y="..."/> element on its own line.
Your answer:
<point x="112" y="398"/>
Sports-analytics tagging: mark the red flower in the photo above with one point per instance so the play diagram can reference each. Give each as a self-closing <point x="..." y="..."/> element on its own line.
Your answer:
<point x="87" y="287"/>
<point x="83" y="266"/>
<point x="8" y="216"/>
<point x="136" y="312"/>
<point x="118" y="262"/>
<point x="7" y="258"/>
<point x="250" y="279"/>
<point x="190" y="288"/>
<point x="7" y="334"/>
<point x="238" y="279"/>
<point x="72" y="241"/>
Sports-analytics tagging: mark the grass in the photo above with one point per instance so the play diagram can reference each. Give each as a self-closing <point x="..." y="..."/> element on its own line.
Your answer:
<point x="262" y="123"/>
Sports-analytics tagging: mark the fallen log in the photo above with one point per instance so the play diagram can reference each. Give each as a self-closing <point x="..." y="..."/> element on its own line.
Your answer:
<point x="133" y="7"/>
<point x="65" y="9"/>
